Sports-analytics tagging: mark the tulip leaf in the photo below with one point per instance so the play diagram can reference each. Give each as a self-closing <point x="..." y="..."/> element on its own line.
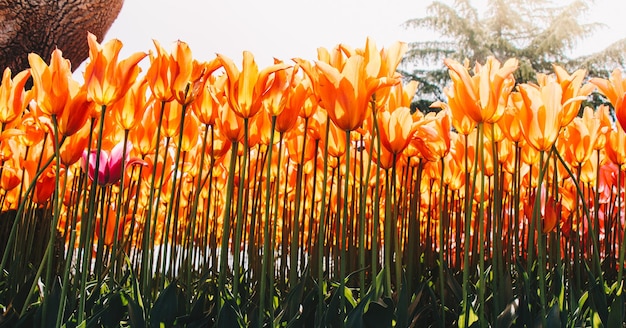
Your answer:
<point x="165" y="307"/>
<point x="135" y="312"/>
<point x="616" y="314"/>
<point x="554" y="316"/>
<point x="230" y="315"/>
<point x="509" y="314"/>
<point x="379" y="314"/>
<point x="402" y="309"/>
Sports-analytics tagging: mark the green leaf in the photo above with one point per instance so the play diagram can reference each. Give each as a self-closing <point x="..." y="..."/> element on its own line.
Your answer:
<point x="402" y="310"/>
<point x="379" y="314"/>
<point x="598" y="297"/>
<point x="508" y="315"/>
<point x="230" y="316"/>
<point x="165" y="307"/>
<point x="472" y="318"/>
<point x="114" y="311"/>
<point x="616" y="312"/>
<point x="52" y="302"/>
<point x="331" y="316"/>
<point x="135" y="312"/>
<point x="554" y="316"/>
<point x="355" y="317"/>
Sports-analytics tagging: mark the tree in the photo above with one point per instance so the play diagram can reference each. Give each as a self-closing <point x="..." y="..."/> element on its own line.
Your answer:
<point x="538" y="33"/>
<point x="40" y="26"/>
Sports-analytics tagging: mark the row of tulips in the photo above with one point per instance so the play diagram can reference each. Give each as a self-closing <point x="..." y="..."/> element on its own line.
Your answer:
<point x="306" y="169"/>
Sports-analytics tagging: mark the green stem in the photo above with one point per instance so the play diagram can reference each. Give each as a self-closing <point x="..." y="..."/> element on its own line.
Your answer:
<point x="148" y="237"/>
<point x="226" y="220"/>
<point x="91" y="214"/>
<point x="266" y="227"/>
<point x="240" y="212"/>
<point x="442" y="284"/>
<point x="321" y="229"/>
<point x="342" y="238"/>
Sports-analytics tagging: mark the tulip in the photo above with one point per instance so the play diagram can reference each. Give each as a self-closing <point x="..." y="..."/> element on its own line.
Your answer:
<point x="106" y="79"/>
<point x="110" y="168"/>
<point x="345" y="94"/>
<point x="615" y="90"/>
<point x="484" y="95"/>
<point x="247" y="88"/>
<point x="51" y="83"/>
<point x="396" y="129"/>
<point x="13" y="98"/>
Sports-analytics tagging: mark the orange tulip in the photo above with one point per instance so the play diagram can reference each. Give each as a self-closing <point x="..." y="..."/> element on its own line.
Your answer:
<point x="189" y="76"/>
<point x="11" y="176"/>
<point x="129" y="110"/>
<point x="207" y="105"/>
<point x="159" y="74"/>
<point x="572" y="88"/>
<point x="616" y="147"/>
<point x="77" y="111"/>
<point x="583" y="133"/>
<point x="51" y="83"/>
<point x="281" y="84"/>
<point x="72" y="149"/>
<point x="230" y="124"/>
<point x="615" y="90"/>
<point x="510" y="124"/>
<point x="539" y="115"/>
<point x="105" y="78"/>
<point x="295" y="140"/>
<point x="484" y="95"/>
<point x="345" y="94"/>
<point x="383" y="63"/>
<point x="13" y="98"/>
<point x="396" y="129"/>
<point x="433" y="136"/>
<point x="246" y="89"/>
<point x="385" y="161"/>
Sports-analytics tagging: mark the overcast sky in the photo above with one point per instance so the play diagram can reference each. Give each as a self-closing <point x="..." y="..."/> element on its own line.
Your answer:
<point x="296" y="28"/>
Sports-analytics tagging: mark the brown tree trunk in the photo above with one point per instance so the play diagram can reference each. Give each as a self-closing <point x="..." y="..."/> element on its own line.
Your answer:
<point x="40" y="26"/>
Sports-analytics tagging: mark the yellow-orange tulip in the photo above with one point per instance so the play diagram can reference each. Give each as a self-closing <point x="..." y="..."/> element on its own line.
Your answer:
<point x="105" y="78"/>
<point x="539" y="114"/>
<point x="582" y="135"/>
<point x="78" y="110"/>
<point x="396" y="129"/>
<point x="230" y="124"/>
<point x="615" y="90"/>
<point x="346" y="94"/>
<point x="51" y="83"/>
<point x="573" y="87"/>
<point x="433" y="136"/>
<point x="616" y="147"/>
<point x="159" y="74"/>
<point x="129" y="110"/>
<point x="484" y="95"/>
<point x="246" y="89"/>
<point x="13" y="98"/>
<point x="207" y="105"/>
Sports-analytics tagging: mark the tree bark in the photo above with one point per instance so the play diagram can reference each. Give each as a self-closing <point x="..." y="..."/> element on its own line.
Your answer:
<point x="40" y="26"/>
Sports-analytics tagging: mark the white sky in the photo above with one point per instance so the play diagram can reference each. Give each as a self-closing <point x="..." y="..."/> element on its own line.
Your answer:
<point x="285" y="29"/>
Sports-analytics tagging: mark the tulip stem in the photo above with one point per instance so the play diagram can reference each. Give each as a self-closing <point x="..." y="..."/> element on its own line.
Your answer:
<point x="321" y="230"/>
<point x="91" y="214"/>
<point x="342" y="238"/>
<point x="442" y="284"/>
<point x="226" y="221"/>
<point x="147" y="263"/>
<point x="266" y="227"/>
<point x="240" y="212"/>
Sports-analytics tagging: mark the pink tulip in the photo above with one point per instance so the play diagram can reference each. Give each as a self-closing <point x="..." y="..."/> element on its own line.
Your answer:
<point x="110" y="164"/>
